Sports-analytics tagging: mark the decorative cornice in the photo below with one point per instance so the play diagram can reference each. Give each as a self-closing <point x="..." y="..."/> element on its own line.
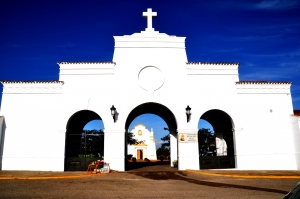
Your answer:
<point x="32" y="90"/>
<point x="212" y="63"/>
<point x="263" y="90"/>
<point x="263" y="82"/>
<point x="263" y="87"/>
<point x="30" y="82"/>
<point x="86" y="68"/>
<point x="99" y="62"/>
<point x="212" y="68"/>
<point x="32" y="87"/>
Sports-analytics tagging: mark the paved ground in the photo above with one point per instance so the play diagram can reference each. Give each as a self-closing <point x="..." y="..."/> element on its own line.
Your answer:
<point x="160" y="181"/>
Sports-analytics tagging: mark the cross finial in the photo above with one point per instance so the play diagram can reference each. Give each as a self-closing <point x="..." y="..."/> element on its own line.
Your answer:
<point x="149" y="14"/>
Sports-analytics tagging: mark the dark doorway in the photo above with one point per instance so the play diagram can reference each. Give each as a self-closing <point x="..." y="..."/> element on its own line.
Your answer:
<point x="82" y="146"/>
<point x="140" y="154"/>
<point x="216" y="148"/>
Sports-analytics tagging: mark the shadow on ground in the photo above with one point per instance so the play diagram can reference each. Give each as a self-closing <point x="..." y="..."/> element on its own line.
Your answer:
<point x="148" y="166"/>
<point x="182" y="175"/>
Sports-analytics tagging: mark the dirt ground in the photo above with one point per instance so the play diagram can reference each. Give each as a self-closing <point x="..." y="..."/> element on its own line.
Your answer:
<point x="141" y="181"/>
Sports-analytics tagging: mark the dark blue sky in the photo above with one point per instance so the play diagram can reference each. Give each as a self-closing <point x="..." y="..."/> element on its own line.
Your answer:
<point x="263" y="36"/>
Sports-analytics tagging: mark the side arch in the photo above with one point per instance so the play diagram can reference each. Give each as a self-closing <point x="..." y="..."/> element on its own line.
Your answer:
<point x="79" y="119"/>
<point x="224" y="154"/>
<point x="82" y="148"/>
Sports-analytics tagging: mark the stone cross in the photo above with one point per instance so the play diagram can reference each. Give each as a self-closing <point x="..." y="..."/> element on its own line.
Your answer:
<point x="149" y="14"/>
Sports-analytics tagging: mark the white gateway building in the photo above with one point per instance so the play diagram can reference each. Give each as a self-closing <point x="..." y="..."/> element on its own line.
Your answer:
<point x="41" y="121"/>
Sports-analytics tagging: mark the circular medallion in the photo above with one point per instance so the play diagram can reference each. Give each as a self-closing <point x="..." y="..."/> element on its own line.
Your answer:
<point x="151" y="78"/>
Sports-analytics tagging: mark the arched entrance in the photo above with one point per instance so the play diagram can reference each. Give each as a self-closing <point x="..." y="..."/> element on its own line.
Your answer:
<point x="82" y="146"/>
<point x="165" y="114"/>
<point x="216" y="148"/>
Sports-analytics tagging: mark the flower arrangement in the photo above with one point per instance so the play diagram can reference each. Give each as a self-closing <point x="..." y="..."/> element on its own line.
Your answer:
<point x="100" y="162"/>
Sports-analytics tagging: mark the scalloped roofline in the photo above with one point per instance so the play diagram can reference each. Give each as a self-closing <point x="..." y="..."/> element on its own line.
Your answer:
<point x="92" y="62"/>
<point x="263" y="82"/>
<point x="212" y="63"/>
<point x="139" y="125"/>
<point x="31" y="82"/>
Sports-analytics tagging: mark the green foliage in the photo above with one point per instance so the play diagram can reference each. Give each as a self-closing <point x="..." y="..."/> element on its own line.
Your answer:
<point x="161" y="157"/>
<point x="162" y="151"/>
<point x="129" y="156"/>
<point x="166" y="139"/>
<point x="86" y="155"/>
<point x="91" y="143"/>
<point x="206" y="139"/>
<point x="131" y="140"/>
<point x="133" y="159"/>
<point x="175" y="162"/>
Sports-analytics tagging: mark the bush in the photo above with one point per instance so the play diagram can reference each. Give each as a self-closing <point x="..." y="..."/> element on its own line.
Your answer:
<point x="161" y="158"/>
<point x="147" y="160"/>
<point x="129" y="156"/>
<point x="133" y="159"/>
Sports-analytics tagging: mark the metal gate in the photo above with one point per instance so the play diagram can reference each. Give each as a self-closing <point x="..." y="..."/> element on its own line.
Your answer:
<point x="217" y="162"/>
<point x="84" y="148"/>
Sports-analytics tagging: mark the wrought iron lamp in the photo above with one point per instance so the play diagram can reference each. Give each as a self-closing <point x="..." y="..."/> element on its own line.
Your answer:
<point x="188" y="113"/>
<point x="113" y="112"/>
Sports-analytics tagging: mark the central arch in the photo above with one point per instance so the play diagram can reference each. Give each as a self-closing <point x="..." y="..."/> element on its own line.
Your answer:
<point x="161" y="111"/>
<point x="154" y="108"/>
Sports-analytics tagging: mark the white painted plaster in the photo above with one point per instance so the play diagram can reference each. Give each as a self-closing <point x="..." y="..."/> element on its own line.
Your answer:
<point x="36" y="114"/>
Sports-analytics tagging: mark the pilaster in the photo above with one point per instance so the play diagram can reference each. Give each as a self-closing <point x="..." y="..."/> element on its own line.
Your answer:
<point x="114" y="148"/>
<point x="173" y="148"/>
<point x="188" y="152"/>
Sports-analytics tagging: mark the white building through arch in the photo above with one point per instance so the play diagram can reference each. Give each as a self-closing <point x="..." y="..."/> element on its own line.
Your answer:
<point x="147" y="147"/>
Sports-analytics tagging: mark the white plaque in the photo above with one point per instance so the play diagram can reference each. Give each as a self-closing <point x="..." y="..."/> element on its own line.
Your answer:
<point x="188" y="137"/>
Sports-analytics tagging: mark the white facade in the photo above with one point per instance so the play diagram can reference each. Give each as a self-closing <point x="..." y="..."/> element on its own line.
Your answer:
<point x="147" y="148"/>
<point x="257" y="117"/>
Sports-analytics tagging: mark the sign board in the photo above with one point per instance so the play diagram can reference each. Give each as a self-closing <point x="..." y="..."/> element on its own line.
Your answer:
<point x="188" y="137"/>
